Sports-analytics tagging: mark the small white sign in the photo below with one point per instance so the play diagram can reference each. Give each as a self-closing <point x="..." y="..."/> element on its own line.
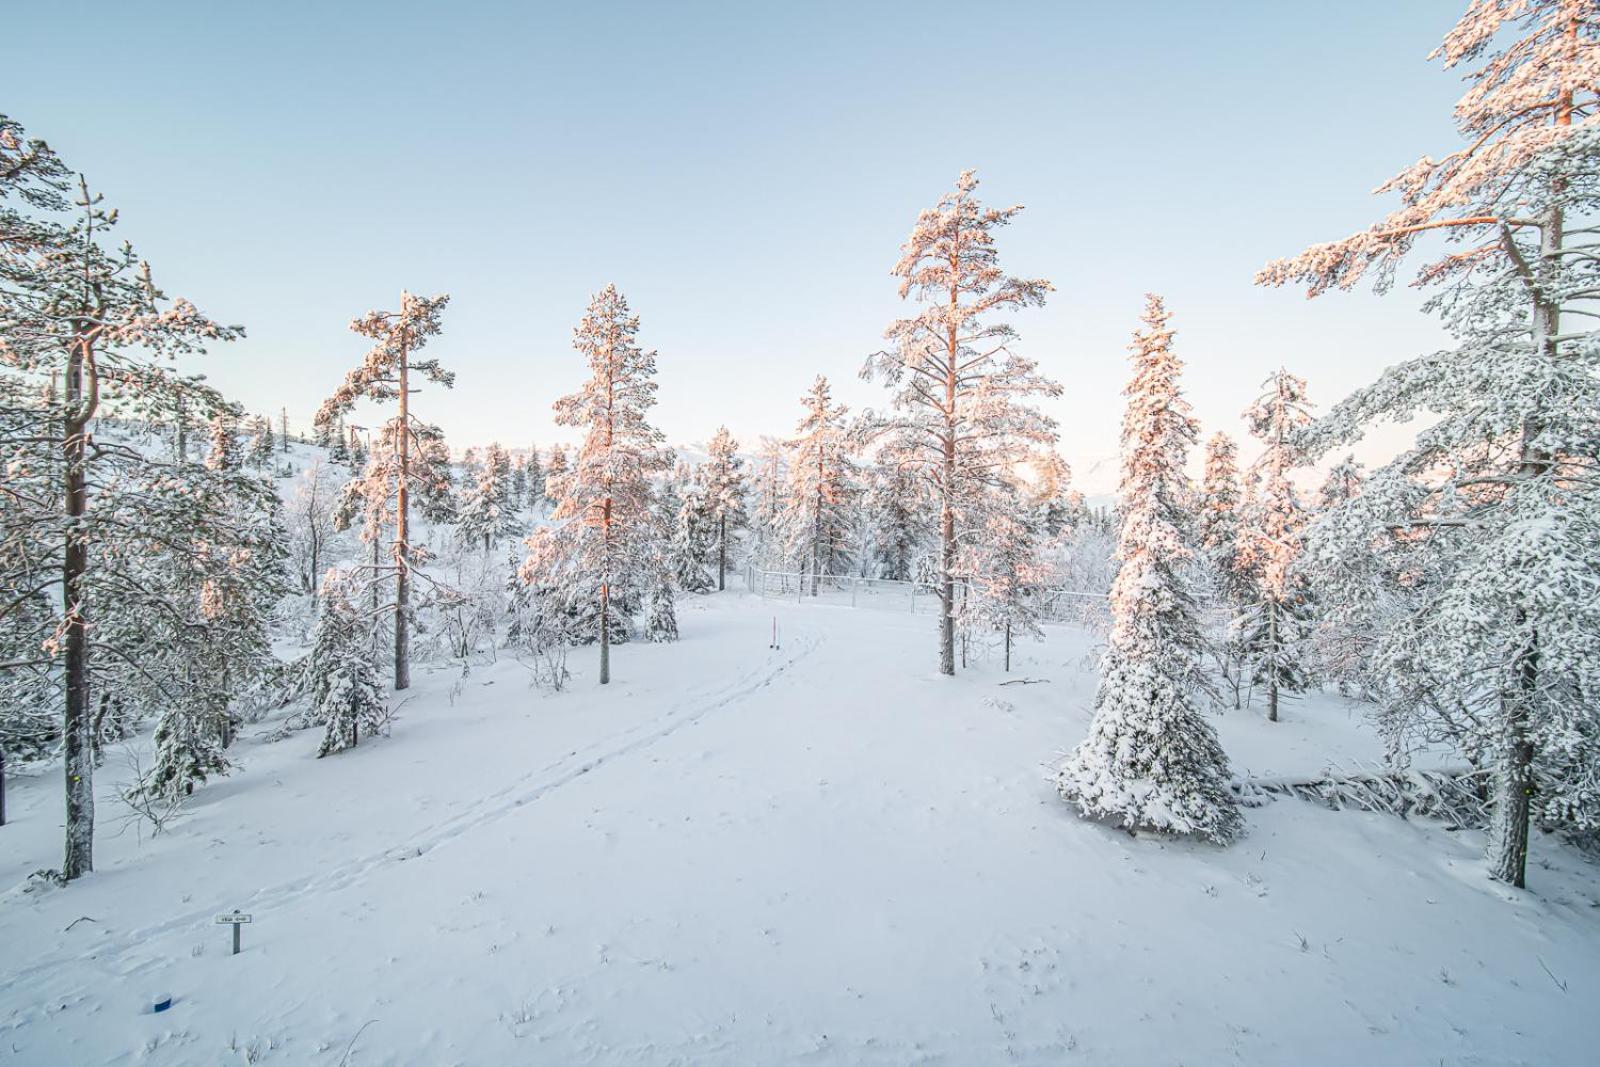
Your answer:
<point x="236" y="917"/>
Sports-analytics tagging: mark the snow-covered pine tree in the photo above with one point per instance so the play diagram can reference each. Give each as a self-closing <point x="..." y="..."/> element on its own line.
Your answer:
<point x="343" y="690"/>
<point x="815" y="517"/>
<point x="962" y="418"/>
<point x="725" y="491"/>
<point x="385" y="374"/>
<point x="214" y="636"/>
<point x="283" y="430"/>
<point x="1274" y="623"/>
<point x="90" y="316"/>
<point x="603" y="531"/>
<point x="1151" y="759"/>
<point x="1342" y="483"/>
<point x="371" y="498"/>
<point x="1495" y="503"/>
<point x="486" y="512"/>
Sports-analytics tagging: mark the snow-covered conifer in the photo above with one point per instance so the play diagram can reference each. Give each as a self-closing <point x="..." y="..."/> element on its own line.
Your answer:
<point x="1493" y="501"/>
<point x="86" y="520"/>
<point x="661" y="625"/>
<point x="535" y="479"/>
<point x="384" y="375"/>
<point x="260" y="450"/>
<point x="1151" y="759"/>
<point x="1342" y="483"/>
<point x="1003" y="572"/>
<point x="815" y="517"/>
<point x="725" y="492"/>
<point x="343" y="690"/>
<point x="604" y="534"/>
<point x="486" y="512"/>
<point x="897" y="503"/>
<point x="1273" y="626"/>
<point x="693" y="540"/>
<point x="961" y="420"/>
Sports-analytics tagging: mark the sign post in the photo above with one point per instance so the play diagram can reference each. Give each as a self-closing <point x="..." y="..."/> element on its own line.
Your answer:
<point x="235" y="919"/>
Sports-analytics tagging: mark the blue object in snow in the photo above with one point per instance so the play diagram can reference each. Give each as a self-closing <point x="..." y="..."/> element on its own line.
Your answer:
<point x="162" y="1002"/>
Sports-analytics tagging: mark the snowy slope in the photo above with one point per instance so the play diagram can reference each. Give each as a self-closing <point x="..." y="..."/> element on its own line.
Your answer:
<point x="823" y="853"/>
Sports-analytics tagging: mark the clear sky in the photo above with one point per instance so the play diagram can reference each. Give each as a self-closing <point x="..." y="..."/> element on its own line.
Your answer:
<point x="745" y="173"/>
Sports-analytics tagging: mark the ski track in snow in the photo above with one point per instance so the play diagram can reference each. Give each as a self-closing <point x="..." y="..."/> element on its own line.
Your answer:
<point x="483" y="812"/>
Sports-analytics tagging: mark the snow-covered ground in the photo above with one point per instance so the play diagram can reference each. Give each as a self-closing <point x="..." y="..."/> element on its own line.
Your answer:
<point x="823" y="853"/>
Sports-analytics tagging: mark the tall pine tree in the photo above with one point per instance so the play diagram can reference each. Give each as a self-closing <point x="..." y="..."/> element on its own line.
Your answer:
<point x="961" y="415"/>
<point x="604" y="533"/>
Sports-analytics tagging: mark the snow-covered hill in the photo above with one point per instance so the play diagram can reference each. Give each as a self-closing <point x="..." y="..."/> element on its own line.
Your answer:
<point x="821" y="853"/>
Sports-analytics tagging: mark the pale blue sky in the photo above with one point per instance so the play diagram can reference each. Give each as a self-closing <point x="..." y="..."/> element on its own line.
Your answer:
<point x="746" y="174"/>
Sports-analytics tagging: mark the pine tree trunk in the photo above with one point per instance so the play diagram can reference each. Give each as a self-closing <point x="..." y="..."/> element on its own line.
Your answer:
<point x="402" y="549"/>
<point x="947" y="586"/>
<point x="76" y="748"/>
<point x="1508" y="844"/>
<point x="605" y="634"/>
<point x="1273" y="651"/>
<point x="1008" y="648"/>
<point x="722" y="552"/>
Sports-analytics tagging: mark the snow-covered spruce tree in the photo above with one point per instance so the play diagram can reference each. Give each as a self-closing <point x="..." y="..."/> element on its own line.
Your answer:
<point x="343" y="691"/>
<point x="770" y="481"/>
<point x="960" y="403"/>
<point x="604" y="534"/>
<point x="534" y="479"/>
<point x="899" y="508"/>
<point x="661" y="625"/>
<point x="726" y="493"/>
<point x="519" y="482"/>
<point x="1217" y="527"/>
<point x="385" y="374"/>
<point x="261" y="448"/>
<point x="1004" y="572"/>
<point x="556" y="468"/>
<point x="1218" y="531"/>
<point x="88" y="514"/>
<point x="693" y="539"/>
<point x="1151" y="759"/>
<point x="1494" y="504"/>
<point x="815" y="518"/>
<point x="486" y="512"/>
<point x="1274" y="622"/>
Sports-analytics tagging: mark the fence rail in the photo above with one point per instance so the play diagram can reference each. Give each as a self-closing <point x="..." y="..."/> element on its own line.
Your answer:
<point x="916" y="598"/>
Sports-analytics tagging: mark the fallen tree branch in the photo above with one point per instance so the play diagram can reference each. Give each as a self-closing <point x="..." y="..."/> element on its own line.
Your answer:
<point x="1454" y="794"/>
